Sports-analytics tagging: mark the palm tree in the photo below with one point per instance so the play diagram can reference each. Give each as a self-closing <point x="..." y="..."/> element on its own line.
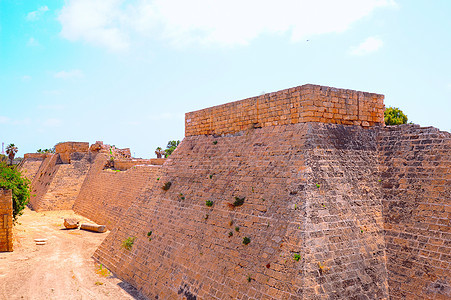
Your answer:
<point x="159" y="152"/>
<point x="11" y="150"/>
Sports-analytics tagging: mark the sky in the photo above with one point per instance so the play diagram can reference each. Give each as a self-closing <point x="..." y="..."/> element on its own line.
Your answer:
<point x="126" y="72"/>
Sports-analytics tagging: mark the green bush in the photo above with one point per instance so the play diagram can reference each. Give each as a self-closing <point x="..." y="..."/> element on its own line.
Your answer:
<point x="11" y="178"/>
<point x="394" y="116"/>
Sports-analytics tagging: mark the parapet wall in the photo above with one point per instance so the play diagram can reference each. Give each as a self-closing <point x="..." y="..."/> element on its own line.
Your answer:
<point x="6" y="220"/>
<point x="306" y="103"/>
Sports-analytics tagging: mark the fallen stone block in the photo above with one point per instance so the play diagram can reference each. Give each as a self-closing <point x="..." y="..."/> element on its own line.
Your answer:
<point x="71" y="223"/>
<point x="92" y="227"/>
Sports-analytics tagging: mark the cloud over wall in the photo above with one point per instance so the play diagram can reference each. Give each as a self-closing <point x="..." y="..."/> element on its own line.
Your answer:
<point x="116" y="24"/>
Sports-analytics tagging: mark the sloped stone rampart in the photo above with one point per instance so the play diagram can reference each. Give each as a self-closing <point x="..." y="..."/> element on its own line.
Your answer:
<point x="6" y="220"/>
<point x="66" y="183"/>
<point x="31" y="164"/>
<point x="42" y="180"/>
<point x="107" y="194"/>
<point x="194" y="250"/>
<point x="415" y="165"/>
<point x="56" y="185"/>
<point x="306" y="103"/>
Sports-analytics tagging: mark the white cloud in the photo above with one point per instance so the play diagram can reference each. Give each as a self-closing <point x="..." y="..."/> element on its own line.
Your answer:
<point x="52" y="122"/>
<point x="52" y="92"/>
<point x="26" y="78"/>
<point x="368" y="46"/>
<point x="32" y="42"/>
<point x="69" y="74"/>
<point x="116" y="23"/>
<point x="52" y="107"/>
<point x="4" y="120"/>
<point x="37" y="14"/>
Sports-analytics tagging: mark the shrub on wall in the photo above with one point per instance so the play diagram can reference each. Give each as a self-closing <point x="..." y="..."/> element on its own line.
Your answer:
<point x="11" y="178"/>
<point x="394" y="116"/>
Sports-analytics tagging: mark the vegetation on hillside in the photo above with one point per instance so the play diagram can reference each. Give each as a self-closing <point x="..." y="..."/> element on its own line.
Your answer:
<point x="11" y="178"/>
<point x="394" y="116"/>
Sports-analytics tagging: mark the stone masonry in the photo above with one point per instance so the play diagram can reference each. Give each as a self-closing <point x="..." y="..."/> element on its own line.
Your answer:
<point x="333" y="211"/>
<point x="6" y="220"/>
<point x="335" y="205"/>
<point x="306" y="103"/>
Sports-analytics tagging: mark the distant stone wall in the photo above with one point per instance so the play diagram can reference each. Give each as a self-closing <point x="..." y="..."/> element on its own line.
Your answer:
<point x="415" y="166"/>
<point x="67" y="148"/>
<point x="6" y="220"/>
<point x="107" y="194"/>
<point x="66" y="183"/>
<point x="306" y="103"/>
<point x="31" y="164"/>
<point x="55" y="185"/>
<point x="42" y="180"/>
<point x="125" y="164"/>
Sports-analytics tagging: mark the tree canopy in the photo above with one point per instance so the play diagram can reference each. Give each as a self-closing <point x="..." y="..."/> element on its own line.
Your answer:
<point x="11" y="178"/>
<point x="394" y="116"/>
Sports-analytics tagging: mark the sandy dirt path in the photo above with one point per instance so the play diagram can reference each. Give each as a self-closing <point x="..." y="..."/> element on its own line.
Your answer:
<point x="61" y="269"/>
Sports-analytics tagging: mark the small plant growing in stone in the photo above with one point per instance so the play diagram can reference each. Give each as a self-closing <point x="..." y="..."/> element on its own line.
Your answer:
<point x="237" y="229"/>
<point x="238" y="201"/>
<point x="182" y="196"/>
<point x="127" y="244"/>
<point x="246" y="240"/>
<point x="167" y="185"/>
<point x="230" y="233"/>
<point x="158" y="178"/>
<point x="211" y="176"/>
<point x="296" y="256"/>
<point x="215" y="142"/>
<point x="317" y="185"/>
<point x="103" y="272"/>
<point x="252" y="189"/>
<point x="149" y="234"/>
<point x="209" y="203"/>
<point x="249" y="278"/>
<point x="322" y="268"/>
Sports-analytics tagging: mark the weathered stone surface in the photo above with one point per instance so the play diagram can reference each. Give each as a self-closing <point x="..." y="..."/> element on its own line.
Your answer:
<point x="71" y="223"/>
<point x="93" y="227"/>
<point x="6" y="220"/>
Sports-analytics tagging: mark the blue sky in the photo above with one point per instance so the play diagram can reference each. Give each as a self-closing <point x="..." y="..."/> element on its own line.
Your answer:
<point x="125" y="72"/>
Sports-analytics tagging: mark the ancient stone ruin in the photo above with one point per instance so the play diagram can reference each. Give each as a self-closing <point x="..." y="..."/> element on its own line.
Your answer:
<point x="297" y="194"/>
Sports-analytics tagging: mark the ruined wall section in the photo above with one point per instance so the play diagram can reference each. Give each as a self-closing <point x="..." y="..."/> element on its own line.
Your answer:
<point x="6" y="220"/>
<point x="306" y="103"/>
<point x="195" y="251"/>
<point x="42" y="180"/>
<point x="415" y="166"/>
<point x="56" y="185"/>
<point x="107" y="194"/>
<point x="66" y="183"/>
<point x="31" y="164"/>
<point x="65" y="149"/>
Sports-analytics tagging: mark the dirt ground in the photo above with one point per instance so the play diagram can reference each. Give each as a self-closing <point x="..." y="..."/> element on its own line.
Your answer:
<point x="61" y="269"/>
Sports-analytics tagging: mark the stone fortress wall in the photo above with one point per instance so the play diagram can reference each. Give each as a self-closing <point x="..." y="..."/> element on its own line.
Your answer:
<point x="6" y="220"/>
<point x="306" y="103"/>
<point x="336" y="205"/>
